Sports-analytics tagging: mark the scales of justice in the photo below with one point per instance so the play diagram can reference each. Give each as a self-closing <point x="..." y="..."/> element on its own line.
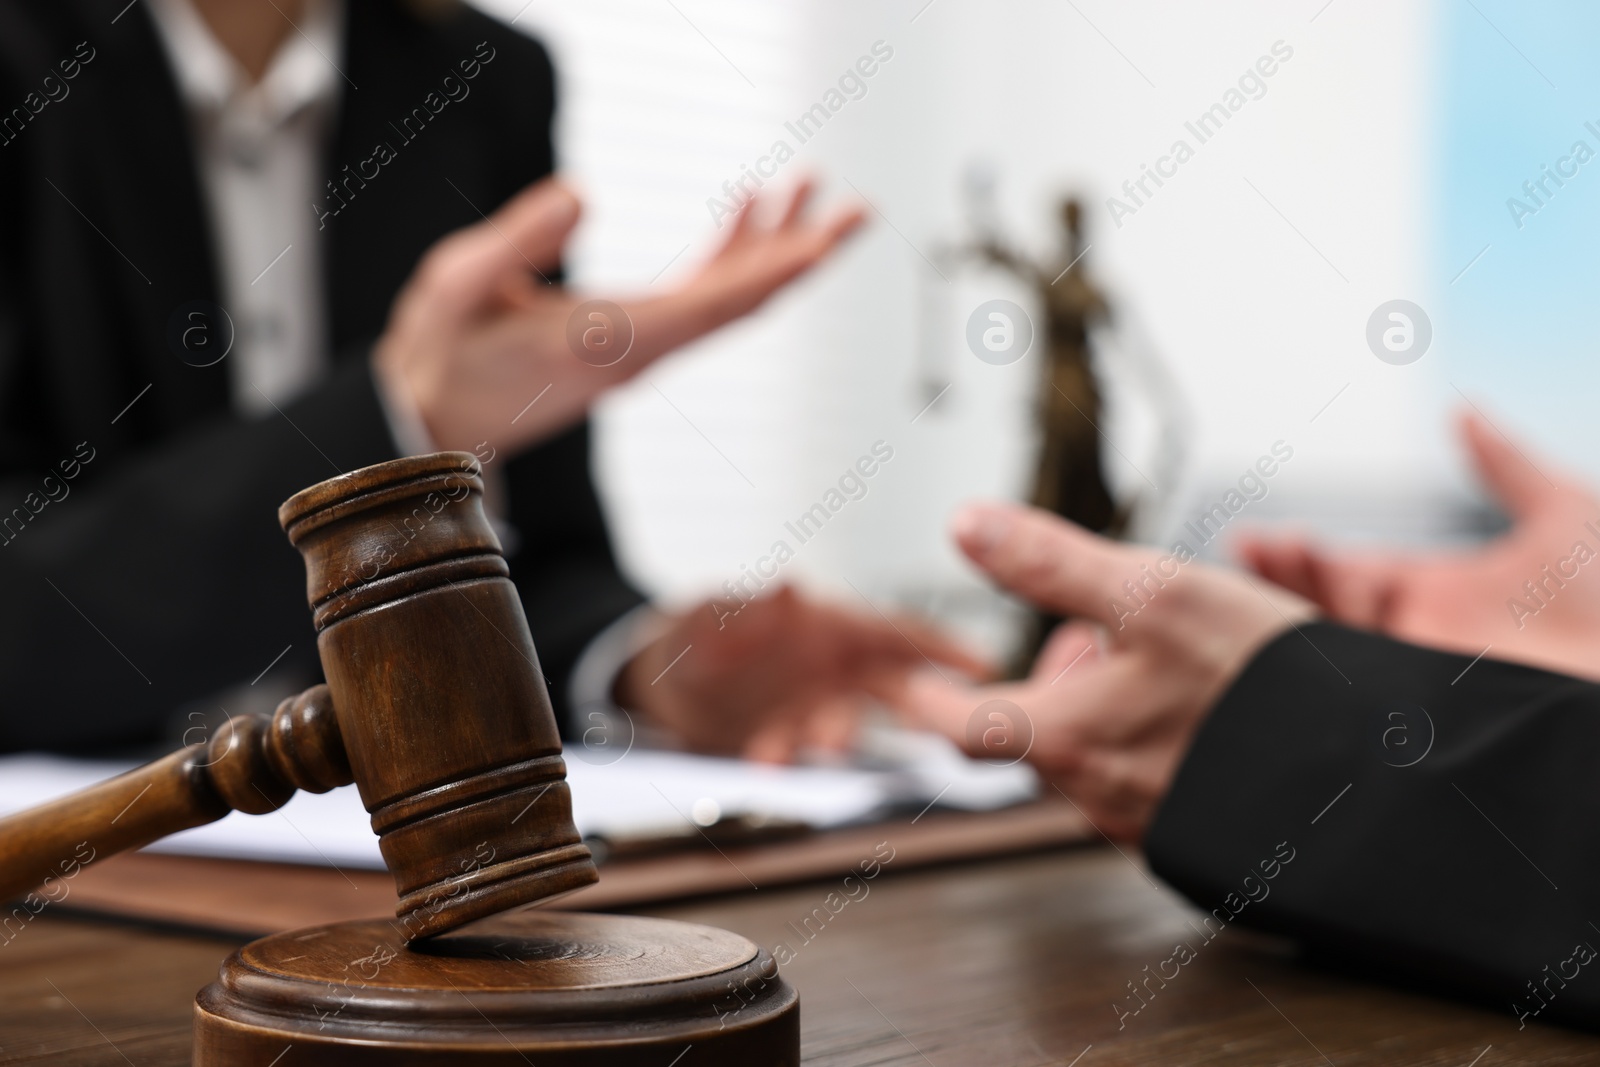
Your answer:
<point x="434" y="706"/>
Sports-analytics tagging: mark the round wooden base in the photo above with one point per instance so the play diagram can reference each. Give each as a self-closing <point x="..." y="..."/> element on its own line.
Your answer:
<point x="557" y="989"/>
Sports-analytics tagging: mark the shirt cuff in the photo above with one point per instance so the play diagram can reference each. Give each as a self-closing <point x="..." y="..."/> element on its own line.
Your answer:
<point x="595" y="711"/>
<point x="410" y="433"/>
<point x="411" y="438"/>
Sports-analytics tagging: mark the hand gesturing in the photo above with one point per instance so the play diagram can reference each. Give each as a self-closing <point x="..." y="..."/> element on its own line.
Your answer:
<point x="1532" y="595"/>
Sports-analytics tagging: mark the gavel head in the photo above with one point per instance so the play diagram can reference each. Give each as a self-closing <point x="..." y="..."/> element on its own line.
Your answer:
<point x="437" y="689"/>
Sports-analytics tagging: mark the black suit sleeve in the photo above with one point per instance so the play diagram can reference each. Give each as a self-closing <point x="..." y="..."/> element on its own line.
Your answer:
<point x="155" y="577"/>
<point x="1441" y="816"/>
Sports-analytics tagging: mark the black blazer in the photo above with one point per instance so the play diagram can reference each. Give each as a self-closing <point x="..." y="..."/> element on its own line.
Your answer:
<point x="141" y="564"/>
<point x="1424" y="818"/>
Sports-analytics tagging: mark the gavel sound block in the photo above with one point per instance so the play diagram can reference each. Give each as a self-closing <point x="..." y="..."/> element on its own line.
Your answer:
<point x="434" y="705"/>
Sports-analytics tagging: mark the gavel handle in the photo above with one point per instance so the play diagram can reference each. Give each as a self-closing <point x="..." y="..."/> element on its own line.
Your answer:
<point x="254" y="764"/>
<point x="55" y="840"/>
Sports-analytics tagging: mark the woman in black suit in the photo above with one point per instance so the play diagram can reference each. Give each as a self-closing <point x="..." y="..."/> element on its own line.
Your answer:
<point x="157" y="401"/>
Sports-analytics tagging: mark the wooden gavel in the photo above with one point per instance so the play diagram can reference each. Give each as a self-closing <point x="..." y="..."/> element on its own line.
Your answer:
<point x="434" y="706"/>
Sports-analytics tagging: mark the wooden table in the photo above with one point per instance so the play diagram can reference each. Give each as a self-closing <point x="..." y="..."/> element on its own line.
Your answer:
<point x="1009" y="962"/>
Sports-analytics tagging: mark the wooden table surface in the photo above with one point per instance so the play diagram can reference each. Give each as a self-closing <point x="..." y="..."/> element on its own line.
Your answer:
<point x="1008" y="962"/>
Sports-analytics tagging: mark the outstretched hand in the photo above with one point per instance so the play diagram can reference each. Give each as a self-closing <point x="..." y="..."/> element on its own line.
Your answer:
<point x="1116" y="695"/>
<point x="483" y="348"/>
<point x="781" y="673"/>
<point x="1528" y="596"/>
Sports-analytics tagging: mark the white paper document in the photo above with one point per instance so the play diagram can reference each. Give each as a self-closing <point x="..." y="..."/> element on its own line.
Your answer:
<point x="645" y="792"/>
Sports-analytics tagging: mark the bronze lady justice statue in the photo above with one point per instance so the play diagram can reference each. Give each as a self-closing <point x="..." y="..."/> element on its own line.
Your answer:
<point x="1069" y="479"/>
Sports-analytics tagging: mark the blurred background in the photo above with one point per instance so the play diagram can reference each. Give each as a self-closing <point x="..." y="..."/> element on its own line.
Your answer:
<point x="1376" y="163"/>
